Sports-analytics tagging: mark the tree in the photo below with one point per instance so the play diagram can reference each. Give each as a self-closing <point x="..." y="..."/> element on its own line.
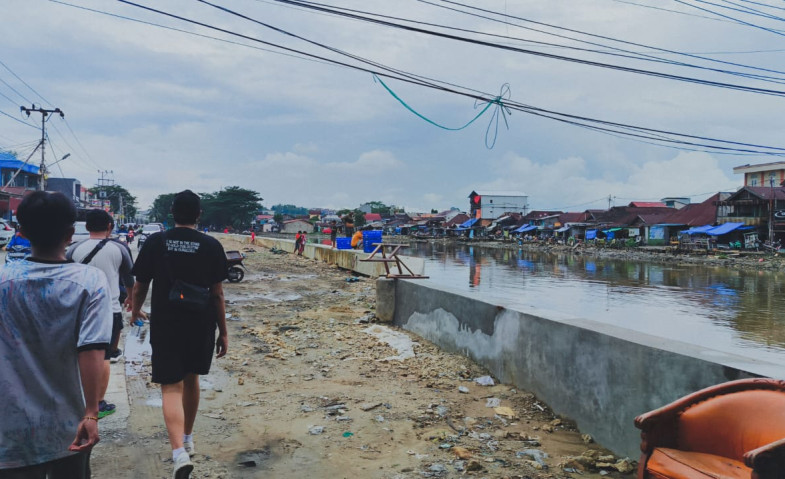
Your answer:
<point x="278" y="218"/>
<point x="232" y="206"/>
<point x="433" y="211"/>
<point x="161" y="212"/>
<point x="378" y="207"/>
<point x="113" y="193"/>
<point x="359" y="218"/>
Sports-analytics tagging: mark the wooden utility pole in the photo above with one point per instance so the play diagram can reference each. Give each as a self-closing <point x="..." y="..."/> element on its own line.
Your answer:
<point x="44" y="118"/>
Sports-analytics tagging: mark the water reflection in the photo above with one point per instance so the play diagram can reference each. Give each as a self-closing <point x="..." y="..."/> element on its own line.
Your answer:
<point x="736" y="311"/>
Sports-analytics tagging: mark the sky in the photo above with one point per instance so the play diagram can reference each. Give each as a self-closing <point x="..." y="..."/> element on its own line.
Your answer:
<point x="165" y="110"/>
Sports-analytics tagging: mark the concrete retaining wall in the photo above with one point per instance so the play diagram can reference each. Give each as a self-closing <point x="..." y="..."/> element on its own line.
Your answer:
<point x="599" y="375"/>
<point x="344" y="258"/>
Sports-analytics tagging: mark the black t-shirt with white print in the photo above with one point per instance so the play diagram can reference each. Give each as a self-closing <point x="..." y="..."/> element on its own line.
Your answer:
<point x="184" y="254"/>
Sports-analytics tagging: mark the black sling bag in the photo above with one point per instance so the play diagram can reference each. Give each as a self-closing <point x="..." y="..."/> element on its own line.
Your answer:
<point x="184" y="295"/>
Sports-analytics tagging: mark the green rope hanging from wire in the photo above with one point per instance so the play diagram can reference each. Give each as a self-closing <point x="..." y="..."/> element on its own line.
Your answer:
<point x="498" y="102"/>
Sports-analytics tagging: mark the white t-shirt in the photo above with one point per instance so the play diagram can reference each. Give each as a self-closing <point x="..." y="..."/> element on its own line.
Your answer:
<point x="48" y="313"/>
<point x="114" y="259"/>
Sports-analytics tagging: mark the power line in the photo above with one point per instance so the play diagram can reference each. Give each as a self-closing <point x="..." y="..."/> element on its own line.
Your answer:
<point x="585" y="122"/>
<point x="68" y="125"/>
<point x="571" y="30"/>
<point x="770" y="30"/>
<point x="14" y="90"/>
<point x="17" y="119"/>
<point x="24" y="82"/>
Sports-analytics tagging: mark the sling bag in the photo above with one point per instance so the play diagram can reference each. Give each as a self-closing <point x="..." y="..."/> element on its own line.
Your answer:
<point x="184" y="295"/>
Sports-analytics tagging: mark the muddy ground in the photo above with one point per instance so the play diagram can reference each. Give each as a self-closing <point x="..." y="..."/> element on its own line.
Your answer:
<point x="309" y="388"/>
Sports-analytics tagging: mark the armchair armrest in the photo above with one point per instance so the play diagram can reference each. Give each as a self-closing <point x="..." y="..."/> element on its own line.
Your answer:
<point x="767" y="462"/>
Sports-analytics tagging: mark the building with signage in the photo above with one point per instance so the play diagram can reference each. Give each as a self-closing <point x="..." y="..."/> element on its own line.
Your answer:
<point x="489" y="205"/>
<point x="764" y="174"/>
<point x="16" y="178"/>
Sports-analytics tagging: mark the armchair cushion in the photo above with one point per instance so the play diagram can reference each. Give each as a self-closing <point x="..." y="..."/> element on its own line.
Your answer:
<point x="732" y="424"/>
<point x="666" y="463"/>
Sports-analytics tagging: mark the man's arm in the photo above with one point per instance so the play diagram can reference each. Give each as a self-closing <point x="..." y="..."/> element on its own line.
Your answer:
<point x="91" y="366"/>
<point x="217" y="296"/>
<point x="139" y="294"/>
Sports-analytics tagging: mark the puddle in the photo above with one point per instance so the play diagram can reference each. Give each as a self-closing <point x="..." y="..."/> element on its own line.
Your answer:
<point x="401" y="342"/>
<point x="137" y="349"/>
<point x="273" y="297"/>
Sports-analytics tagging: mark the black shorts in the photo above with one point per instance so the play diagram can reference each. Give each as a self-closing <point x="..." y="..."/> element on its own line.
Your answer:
<point x="181" y="348"/>
<point x="117" y="326"/>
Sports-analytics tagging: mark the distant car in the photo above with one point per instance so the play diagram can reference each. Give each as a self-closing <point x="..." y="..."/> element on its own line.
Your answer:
<point x="146" y="231"/>
<point x="80" y="232"/>
<point x="6" y="233"/>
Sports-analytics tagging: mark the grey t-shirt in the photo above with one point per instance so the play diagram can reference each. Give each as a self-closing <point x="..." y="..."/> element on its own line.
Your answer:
<point x="114" y="259"/>
<point x="48" y="313"/>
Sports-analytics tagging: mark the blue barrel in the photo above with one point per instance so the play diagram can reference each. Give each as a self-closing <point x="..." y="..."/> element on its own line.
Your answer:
<point x="343" y="243"/>
<point x="369" y="238"/>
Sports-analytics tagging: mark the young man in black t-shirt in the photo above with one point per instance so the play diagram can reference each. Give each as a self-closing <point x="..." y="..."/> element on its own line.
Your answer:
<point x="182" y="339"/>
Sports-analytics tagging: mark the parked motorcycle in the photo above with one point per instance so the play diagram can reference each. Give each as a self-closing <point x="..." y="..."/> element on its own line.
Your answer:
<point x="17" y="253"/>
<point x="234" y="261"/>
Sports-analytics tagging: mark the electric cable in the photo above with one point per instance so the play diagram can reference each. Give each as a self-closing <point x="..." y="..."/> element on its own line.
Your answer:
<point x="24" y="82"/>
<point x="15" y="90"/>
<point x="17" y="119"/>
<point x="770" y="30"/>
<point x="569" y="119"/>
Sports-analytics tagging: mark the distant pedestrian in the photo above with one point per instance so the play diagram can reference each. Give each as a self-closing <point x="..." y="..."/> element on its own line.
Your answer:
<point x="253" y="237"/>
<point x="55" y="329"/>
<point x="297" y="239"/>
<point x="186" y="268"/>
<point x="114" y="259"/>
<point x="333" y="233"/>
<point x="303" y="240"/>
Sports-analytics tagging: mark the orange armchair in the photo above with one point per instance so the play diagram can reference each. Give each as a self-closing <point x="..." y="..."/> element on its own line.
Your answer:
<point x="734" y="430"/>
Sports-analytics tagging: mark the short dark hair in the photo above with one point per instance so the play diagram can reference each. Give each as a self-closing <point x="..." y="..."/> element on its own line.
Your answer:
<point x="46" y="218"/>
<point x="186" y="207"/>
<point x="98" y="220"/>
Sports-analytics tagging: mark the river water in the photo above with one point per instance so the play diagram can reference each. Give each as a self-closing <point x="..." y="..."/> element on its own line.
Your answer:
<point x="741" y="312"/>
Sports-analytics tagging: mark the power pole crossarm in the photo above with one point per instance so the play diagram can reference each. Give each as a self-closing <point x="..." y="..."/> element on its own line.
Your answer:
<point x="44" y="118"/>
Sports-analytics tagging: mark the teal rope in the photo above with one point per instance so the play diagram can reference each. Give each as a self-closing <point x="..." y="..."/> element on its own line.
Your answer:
<point x="498" y="102"/>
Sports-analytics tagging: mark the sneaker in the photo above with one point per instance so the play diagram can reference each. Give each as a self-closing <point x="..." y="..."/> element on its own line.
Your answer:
<point x="105" y="409"/>
<point x="189" y="447"/>
<point x="115" y="355"/>
<point x="182" y="467"/>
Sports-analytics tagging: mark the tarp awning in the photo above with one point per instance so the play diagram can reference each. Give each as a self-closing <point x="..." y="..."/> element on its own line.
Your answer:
<point x="562" y="229"/>
<point x="468" y="224"/>
<point x="697" y="230"/>
<point x="591" y="234"/>
<point x="724" y="229"/>
<point x="525" y="228"/>
<point x="611" y="230"/>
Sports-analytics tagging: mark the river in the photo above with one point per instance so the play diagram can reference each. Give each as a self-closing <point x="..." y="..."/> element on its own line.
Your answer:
<point x="736" y="311"/>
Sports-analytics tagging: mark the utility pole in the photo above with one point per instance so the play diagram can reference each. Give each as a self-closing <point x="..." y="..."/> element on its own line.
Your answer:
<point x="44" y="118"/>
<point x="104" y="182"/>
<point x="771" y="210"/>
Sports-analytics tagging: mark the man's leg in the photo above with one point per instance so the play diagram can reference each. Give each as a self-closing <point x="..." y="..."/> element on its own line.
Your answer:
<point x="190" y="401"/>
<point x="174" y="416"/>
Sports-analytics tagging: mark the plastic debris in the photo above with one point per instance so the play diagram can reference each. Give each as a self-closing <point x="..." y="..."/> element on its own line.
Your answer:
<point x="484" y="381"/>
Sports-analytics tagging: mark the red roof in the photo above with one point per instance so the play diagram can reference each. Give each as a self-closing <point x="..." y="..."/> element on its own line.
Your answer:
<point x="696" y="214"/>
<point x="373" y="217"/>
<point x="647" y="204"/>
<point x="457" y="219"/>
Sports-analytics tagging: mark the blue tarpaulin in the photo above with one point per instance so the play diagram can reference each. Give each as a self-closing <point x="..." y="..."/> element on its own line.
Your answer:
<point x="724" y="229"/>
<point x="697" y="230"/>
<point x="525" y="228"/>
<point x="9" y="161"/>
<point x="591" y="234"/>
<point x="467" y="224"/>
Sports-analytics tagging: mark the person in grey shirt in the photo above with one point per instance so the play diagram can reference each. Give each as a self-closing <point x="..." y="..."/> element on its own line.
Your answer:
<point x="114" y="259"/>
<point x="55" y="324"/>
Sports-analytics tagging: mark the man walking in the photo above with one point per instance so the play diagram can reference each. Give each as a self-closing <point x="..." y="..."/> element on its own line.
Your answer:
<point x="114" y="259"/>
<point x="186" y="268"/>
<point x="54" y="330"/>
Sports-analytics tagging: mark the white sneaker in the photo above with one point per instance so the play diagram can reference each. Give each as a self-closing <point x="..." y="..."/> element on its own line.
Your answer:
<point x="189" y="447"/>
<point x="182" y="467"/>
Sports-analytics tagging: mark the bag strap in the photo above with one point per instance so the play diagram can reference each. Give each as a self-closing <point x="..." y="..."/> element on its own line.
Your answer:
<point x="89" y="257"/>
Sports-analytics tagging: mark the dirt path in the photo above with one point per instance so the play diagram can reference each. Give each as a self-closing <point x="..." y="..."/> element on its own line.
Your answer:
<point x="307" y="390"/>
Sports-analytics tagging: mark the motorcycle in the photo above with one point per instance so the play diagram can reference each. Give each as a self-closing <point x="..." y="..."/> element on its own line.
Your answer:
<point x="234" y="262"/>
<point x="17" y="253"/>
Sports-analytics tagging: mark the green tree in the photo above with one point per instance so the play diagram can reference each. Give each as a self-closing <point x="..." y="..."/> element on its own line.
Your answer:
<point x="433" y="211"/>
<point x="278" y="218"/>
<point x="232" y="206"/>
<point x="161" y="211"/>
<point x="359" y="218"/>
<point x="343" y="212"/>
<point x="114" y="193"/>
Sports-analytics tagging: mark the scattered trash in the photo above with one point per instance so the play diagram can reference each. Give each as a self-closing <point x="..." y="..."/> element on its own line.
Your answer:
<point x="446" y="445"/>
<point x="534" y="454"/>
<point x="442" y="410"/>
<point x="250" y="463"/>
<point x="463" y="389"/>
<point x="352" y="279"/>
<point x="505" y="412"/>
<point x="493" y="402"/>
<point x="379" y="418"/>
<point x="316" y="430"/>
<point x="587" y="439"/>
<point x="305" y="408"/>
<point x="484" y="381"/>
<point x="348" y="434"/>
<point x="369" y="405"/>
